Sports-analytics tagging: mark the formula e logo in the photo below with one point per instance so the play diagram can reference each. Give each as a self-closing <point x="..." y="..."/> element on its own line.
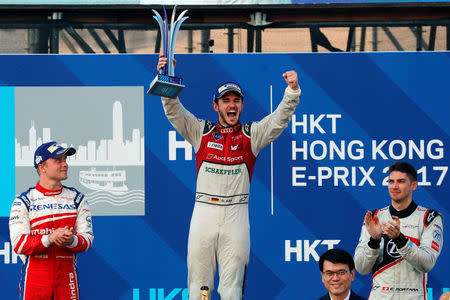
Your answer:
<point x="392" y="250"/>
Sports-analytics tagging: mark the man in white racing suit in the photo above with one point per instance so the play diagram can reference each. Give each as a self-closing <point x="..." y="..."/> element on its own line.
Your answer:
<point x="400" y="243"/>
<point x="225" y="154"/>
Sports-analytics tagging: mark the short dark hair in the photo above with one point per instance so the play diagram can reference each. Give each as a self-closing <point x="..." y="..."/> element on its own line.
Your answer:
<point x="337" y="256"/>
<point x="404" y="167"/>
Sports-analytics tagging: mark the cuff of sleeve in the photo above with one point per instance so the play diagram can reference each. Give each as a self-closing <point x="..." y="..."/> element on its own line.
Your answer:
<point x="167" y="98"/>
<point x="373" y="243"/>
<point x="290" y="90"/>
<point x="400" y="241"/>
<point x="74" y="243"/>
<point x="45" y="240"/>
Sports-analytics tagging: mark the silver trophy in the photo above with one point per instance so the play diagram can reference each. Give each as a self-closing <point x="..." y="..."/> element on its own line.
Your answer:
<point x="165" y="83"/>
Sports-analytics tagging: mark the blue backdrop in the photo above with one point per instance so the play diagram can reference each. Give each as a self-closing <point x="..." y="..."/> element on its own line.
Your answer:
<point x="358" y="113"/>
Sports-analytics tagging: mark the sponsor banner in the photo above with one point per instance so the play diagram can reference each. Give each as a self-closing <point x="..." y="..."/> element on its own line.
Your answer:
<point x="358" y="113"/>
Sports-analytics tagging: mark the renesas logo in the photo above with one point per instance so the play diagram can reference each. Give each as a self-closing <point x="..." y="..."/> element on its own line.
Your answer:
<point x="303" y="250"/>
<point x="161" y="294"/>
<point x="52" y="206"/>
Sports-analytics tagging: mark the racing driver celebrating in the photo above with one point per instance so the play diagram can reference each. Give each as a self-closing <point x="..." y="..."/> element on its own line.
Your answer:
<point x="225" y="152"/>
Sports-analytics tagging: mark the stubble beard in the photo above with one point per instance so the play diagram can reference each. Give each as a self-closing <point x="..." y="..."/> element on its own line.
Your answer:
<point x="223" y="117"/>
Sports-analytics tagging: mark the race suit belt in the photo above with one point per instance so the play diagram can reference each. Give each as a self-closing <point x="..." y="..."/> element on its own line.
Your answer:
<point x="221" y="200"/>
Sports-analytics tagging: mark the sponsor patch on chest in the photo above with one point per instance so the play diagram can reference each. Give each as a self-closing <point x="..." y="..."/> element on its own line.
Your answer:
<point x="217" y="136"/>
<point x="215" y="146"/>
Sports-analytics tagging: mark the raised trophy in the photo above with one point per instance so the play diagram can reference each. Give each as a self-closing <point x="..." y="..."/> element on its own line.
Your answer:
<point x="165" y="83"/>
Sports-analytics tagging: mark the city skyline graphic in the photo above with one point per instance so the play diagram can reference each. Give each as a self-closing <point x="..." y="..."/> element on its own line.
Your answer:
<point x="105" y="152"/>
<point x="106" y="127"/>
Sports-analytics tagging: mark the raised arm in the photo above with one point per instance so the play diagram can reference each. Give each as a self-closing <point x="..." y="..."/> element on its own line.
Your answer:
<point x="269" y="128"/>
<point x="181" y="119"/>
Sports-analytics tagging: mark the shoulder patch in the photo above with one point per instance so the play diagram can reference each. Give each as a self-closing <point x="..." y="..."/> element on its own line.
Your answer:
<point x="78" y="196"/>
<point x="429" y="217"/>
<point x="246" y="128"/>
<point x="208" y="127"/>
<point x="24" y="198"/>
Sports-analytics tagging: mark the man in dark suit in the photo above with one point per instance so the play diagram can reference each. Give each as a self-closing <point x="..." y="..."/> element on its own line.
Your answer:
<point x="338" y="271"/>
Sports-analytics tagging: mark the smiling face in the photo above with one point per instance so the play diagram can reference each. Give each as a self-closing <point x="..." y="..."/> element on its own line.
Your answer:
<point x="53" y="170"/>
<point x="229" y="108"/>
<point x="337" y="278"/>
<point x="401" y="187"/>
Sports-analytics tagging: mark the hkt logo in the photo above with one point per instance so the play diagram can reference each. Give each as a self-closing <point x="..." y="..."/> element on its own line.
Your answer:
<point x="10" y="257"/>
<point x="160" y="294"/>
<point x="303" y="249"/>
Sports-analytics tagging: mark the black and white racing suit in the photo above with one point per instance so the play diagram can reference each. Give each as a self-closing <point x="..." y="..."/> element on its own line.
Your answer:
<point x="219" y="230"/>
<point x="399" y="266"/>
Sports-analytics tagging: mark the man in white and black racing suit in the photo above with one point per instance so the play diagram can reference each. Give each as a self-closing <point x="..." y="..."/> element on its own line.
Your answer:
<point x="225" y="153"/>
<point x="400" y="243"/>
